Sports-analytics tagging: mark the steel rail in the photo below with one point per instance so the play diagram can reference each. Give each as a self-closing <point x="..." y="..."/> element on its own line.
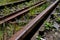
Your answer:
<point x="20" y="35"/>
<point x="5" y="19"/>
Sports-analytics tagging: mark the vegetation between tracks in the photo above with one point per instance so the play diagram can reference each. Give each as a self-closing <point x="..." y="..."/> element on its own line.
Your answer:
<point x="13" y="8"/>
<point x="10" y="28"/>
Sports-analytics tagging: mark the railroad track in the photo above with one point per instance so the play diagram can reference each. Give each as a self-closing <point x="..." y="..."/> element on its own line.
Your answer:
<point x="19" y="13"/>
<point x="22" y="13"/>
<point x="29" y="30"/>
<point x="15" y="7"/>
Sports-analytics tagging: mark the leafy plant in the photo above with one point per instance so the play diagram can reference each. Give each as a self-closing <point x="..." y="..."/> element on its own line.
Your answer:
<point x="48" y="25"/>
<point x="58" y="19"/>
<point x="38" y="37"/>
<point x="22" y="23"/>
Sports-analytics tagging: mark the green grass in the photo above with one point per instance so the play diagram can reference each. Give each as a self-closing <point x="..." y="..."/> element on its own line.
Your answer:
<point x="38" y="37"/>
<point x="48" y="25"/>
<point x="1" y="35"/>
<point x="13" y="8"/>
<point x="58" y="19"/>
<point x="37" y="10"/>
<point x="6" y="1"/>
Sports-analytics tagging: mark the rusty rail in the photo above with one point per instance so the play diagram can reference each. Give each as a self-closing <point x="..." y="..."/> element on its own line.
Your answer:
<point x="22" y="34"/>
<point x="9" y="17"/>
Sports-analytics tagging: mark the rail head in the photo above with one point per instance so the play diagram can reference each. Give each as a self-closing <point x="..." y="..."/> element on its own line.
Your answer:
<point x="23" y="33"/>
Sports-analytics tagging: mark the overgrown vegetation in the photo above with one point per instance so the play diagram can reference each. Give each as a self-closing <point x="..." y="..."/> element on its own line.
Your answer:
<point x="7" y="1"/>
<point x="57" y="17"/>
<point x="10" y="28"/>
<point x="13" y="8"/>
<point x="35" y="11"/>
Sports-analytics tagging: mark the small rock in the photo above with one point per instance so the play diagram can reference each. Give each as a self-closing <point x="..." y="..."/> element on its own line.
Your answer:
<point x="56" y="25"/>
<point x="56" y="33"/>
